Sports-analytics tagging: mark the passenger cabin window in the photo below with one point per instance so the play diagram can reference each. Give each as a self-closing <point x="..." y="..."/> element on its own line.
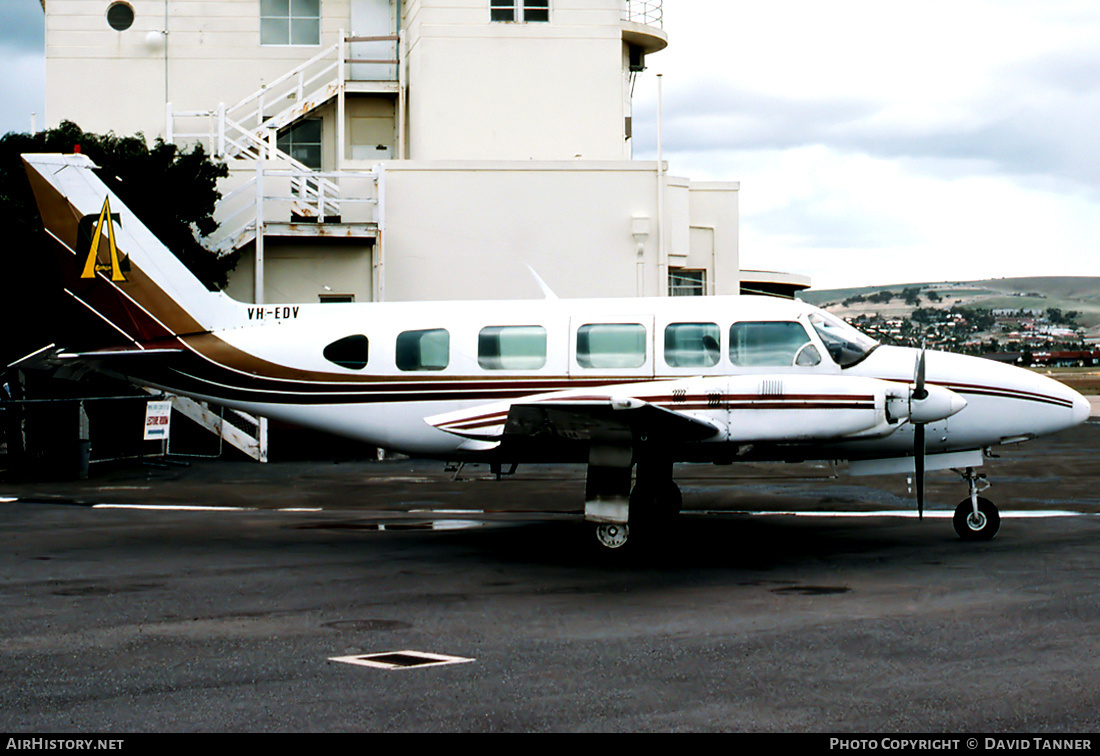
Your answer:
<point x="511" y="347"/>
<point x="611" y="345"/>
<point x="529" y="11"/>
<point x="349" y="352"/>
<point x="290" y="22"/>
<point x="771" y="344"/>
<point x="692" y="345"/>
<point x="423" y="350"/>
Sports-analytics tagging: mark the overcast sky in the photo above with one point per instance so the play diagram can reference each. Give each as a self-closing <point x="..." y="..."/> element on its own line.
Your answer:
<point x="875" y="142"/>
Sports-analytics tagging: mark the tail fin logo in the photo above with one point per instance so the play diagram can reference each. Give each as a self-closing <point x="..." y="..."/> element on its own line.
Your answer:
<point x="89" y="238"/>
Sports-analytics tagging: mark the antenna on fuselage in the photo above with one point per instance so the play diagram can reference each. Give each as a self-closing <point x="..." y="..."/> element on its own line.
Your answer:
<point x="547" y="292"/>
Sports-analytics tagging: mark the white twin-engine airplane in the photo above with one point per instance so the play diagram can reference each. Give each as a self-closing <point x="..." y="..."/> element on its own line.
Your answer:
<point x="615" y="383"/>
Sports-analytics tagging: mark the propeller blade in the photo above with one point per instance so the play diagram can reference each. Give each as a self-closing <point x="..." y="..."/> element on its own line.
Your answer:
<point x="918" y="459"/>
<point x="919" y="392"/>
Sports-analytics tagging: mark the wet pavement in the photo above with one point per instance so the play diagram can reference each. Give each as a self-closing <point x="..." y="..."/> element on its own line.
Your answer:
<point x="218" y="596"/>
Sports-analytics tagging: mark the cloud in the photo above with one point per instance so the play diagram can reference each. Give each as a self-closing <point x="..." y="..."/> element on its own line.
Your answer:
<point x="877" y="142"/>
<point x="22" y="88"/>
<point x="23" y="27"/>
<point x="22" y="65"/>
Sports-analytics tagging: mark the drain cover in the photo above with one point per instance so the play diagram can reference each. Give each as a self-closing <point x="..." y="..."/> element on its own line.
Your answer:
<point x="401" y="660"/>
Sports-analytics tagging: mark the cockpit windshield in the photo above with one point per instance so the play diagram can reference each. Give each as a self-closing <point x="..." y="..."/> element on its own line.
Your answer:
<point x="845" y="344"/>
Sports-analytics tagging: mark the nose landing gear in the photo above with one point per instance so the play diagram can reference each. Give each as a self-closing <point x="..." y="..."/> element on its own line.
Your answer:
<point x="976" y="518"/>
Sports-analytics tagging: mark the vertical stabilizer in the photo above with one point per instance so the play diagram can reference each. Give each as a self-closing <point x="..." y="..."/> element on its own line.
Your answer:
<point x="111" y="263"/>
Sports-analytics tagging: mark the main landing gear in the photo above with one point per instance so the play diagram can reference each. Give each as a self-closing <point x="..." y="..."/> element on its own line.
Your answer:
<point x="653" y="507"/>
<point x="624" y="515"/>
<point x="976" y="518"/>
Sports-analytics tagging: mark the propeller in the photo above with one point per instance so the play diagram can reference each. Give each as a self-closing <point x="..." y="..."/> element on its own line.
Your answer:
<point x="918" y="394"/>
<point x="927" y="404"/>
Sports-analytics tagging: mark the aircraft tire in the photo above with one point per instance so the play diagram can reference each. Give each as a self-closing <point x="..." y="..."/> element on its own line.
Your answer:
<point x="661" y="500"/>
<point x="612" y="536"/>
<point x="989" y="520"/>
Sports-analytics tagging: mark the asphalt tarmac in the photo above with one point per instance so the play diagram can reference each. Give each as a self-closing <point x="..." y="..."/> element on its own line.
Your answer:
<point x="224" y="602"/>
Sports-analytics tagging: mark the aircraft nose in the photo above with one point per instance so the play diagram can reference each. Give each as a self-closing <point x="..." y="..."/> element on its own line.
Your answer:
<point x="1082" y="409"/>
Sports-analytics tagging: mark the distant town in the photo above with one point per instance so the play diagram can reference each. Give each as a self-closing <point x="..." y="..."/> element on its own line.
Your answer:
<point x="952" y="317"/>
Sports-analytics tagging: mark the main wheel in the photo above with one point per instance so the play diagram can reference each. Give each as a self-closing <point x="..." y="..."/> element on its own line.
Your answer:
<point x="661" y="501"/>
<point x="612" y="535"/>
<point x="977" y="528"/>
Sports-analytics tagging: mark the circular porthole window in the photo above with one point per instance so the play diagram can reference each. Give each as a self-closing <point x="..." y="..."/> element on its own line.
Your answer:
<point x="120" y="16"/>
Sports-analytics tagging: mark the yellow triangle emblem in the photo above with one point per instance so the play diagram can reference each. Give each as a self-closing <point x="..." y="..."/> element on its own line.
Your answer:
<point x="92" y="265"/>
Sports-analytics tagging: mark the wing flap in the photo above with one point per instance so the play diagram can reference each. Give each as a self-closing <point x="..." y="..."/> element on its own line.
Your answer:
<point x="569" y="417"/>
<point x="584" y="421"/>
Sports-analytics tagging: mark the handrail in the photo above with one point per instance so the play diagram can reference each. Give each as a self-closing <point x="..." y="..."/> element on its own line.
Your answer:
<point x="648" y="12"/>
<point x="285" y="77"/>
<point x="247" y="130"/>
<point x="307" y="195"/>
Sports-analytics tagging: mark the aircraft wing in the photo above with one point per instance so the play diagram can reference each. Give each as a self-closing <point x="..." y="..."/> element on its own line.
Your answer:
<point x="573" y="417"/>
<point x="584" y="420"/>
<point x="783" y="409"/>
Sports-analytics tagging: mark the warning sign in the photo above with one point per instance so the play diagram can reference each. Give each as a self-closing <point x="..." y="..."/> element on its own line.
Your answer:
<point x="157" y="418"/>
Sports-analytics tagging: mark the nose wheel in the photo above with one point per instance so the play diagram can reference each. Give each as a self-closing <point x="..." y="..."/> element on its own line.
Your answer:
<point x="980" y="525"/>
<point x="976" y="518"/>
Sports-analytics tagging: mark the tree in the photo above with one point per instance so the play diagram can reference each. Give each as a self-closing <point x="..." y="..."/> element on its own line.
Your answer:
<point x="173" y="191"/>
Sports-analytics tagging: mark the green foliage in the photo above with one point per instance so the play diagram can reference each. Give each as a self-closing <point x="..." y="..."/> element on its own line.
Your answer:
<point x="171" y="190"/>
<point x="1067" y="318"/>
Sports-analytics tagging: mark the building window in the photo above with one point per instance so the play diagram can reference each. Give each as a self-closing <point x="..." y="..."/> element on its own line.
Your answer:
<point x="687" y="283"/>
<point x="290" y="22"/>
<point x="120" y="16"/>
<point x="523" y="11"/>
<point x="302" y="141"/>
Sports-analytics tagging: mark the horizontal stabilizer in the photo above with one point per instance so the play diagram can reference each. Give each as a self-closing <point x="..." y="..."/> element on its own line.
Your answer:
<point x="40" y="359"/>
<point x="107" y="354"/>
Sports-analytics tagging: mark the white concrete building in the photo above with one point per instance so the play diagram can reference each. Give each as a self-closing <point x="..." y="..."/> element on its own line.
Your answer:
<point x="407" y="149"/>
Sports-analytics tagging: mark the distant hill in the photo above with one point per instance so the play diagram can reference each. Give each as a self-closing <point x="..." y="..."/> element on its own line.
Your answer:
<point x="1065" y="293"/>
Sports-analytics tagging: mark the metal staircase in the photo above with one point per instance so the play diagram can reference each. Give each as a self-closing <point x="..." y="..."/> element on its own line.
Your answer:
<point x="245" y="135"/>
<point x="240" y="430"/>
